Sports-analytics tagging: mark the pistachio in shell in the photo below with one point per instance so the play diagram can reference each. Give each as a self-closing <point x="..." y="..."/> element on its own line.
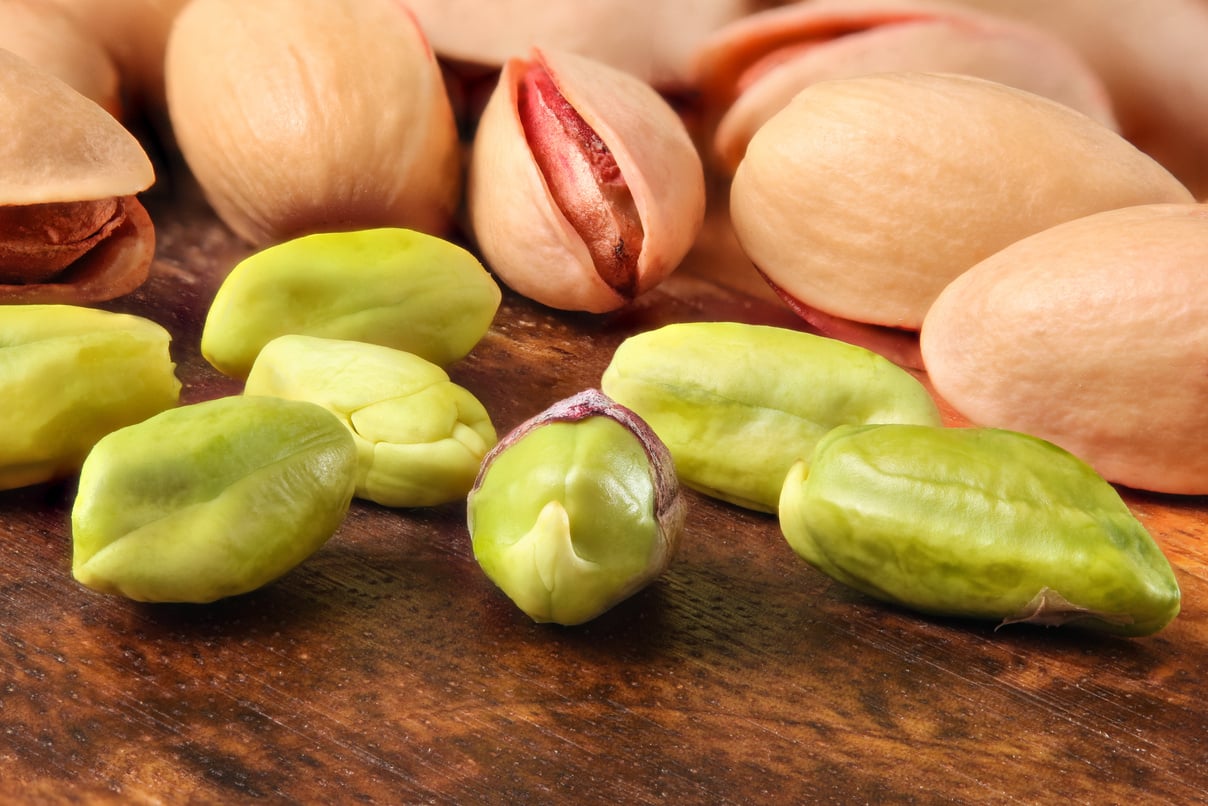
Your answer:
<point x="585" y="189"/>
<point x="304" y="116"/>
<point x="575" y="510"/>
<point x="1092" y="334"/>
<point x="72" y="229"/>
<point x="751" y="68"/>
<point x="865" y="196"/>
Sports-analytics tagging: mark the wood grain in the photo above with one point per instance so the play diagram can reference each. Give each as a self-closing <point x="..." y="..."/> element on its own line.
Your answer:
<point x="387" y="669"/>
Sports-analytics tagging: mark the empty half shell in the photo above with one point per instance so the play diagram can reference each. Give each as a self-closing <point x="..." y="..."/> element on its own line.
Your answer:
<point x="585" y="189"/>
<point x="71" y="227"/>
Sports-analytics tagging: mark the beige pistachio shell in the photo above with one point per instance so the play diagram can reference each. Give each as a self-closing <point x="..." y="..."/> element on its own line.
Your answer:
<point x="1154" y="62"/>
<point x="299" y="116"/>
<point x="1093" y="335"/>
<point x="520" y="223"/>
<point x="865" y="196"/>
<point x="751" y="68"/>
<point x="652" y="39"/>
<point x="60" y="146"/>
<point x="47" y="37"/>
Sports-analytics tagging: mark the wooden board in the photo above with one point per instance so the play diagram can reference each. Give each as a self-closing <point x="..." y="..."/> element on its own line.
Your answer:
<point x="387" y="669"/>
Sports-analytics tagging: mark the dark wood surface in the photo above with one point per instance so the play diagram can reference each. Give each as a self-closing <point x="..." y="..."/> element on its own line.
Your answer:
<point x="387" y="669"/>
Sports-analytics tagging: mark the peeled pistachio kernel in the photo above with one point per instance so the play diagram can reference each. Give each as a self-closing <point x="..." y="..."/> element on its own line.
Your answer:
<point x="575" y="510"/>
<point x="396" y="287"/>
<point x="68" y="376"/>
<point x="976" y="522"/>
<point x="738" y="404"/>
<point x="420" y="437"/>
<point x="210" y="500"/>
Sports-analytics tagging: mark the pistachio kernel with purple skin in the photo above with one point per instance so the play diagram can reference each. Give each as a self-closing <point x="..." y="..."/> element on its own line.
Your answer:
<point x="575" y="510"/>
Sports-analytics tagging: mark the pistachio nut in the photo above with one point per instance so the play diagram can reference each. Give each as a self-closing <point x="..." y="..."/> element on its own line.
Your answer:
<point x="71" y="227"/>
<point x="302" y="116"/>
<point x="48" y="37"/>
<point x="738" y="404"/>
<point x="976" y="522"/>
<point x="210" y="500"/>
<point x="394" y="287"/>
<point x="752" y="67"/>
<point x="1092" y="334"/>
<point x="865" y="196"/>
<point x="1153" y="63"/>
<point x="68" y="376"/>
<point x="575" y="510"/>
<point x="420" y="437"/>
<point x="585" y="190"/>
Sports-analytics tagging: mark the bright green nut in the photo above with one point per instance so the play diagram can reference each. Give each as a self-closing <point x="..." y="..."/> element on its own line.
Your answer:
<point x="210" y="500"/>
<point x="395" y="287"/>
<point x="738" y="404"/>
<point x="420" y="437"/>
<point x="68" y="376"/>
<point x="575" y="510"/>
<point x="976" y="522"/>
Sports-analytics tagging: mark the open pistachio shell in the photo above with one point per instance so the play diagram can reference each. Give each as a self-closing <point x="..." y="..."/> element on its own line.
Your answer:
<point x="752" y="68"/>
<point x="1094" y="335"/>
<point x="976" y="522"/>
<point x="865" y="196"/>
<point x="68" y="376"/>
<point x="302" y="116"/>
<point x="71" y="227"/>
<point x="575" y="509"/>
<point x="420" y="437"/>
<point x="210" y="500"/>
<point x="585" y="190"/>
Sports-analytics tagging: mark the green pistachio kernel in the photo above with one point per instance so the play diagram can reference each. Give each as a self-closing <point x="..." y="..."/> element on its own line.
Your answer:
<point x="420" y="437"/>
<point x="738" y="404"/>
<point x="395" y="287"/>
<point x="68" y="376"/>
<point x="210" y="500"/>
<point x="575" y="510"/>
<point x="976" y="522"/>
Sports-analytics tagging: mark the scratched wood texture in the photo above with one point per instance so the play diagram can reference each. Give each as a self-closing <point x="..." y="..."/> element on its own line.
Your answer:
<point x="387" y="669"/>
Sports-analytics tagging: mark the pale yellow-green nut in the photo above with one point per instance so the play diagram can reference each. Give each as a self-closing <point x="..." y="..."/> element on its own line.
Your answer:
<point x="68" y="376"/>
<point x="976" y="522"/>
<point x="738" y="404"/>
<point x="575" y="510"/>
<point x="211" y="499"/>
<point x="420" y="437"/>
<point x="396" y="287"/>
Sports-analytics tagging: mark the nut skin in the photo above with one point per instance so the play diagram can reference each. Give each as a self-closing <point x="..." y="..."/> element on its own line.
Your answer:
<point x="612" y="172"/>
<point x="420" y="437"/>
<point x="70" y="376"/>
<point x="304" y="116"/>
<point x="395" y="287"/>
<point x="211" y="499"/>
<point x="752" y="67"/>
<point x="738" y="404"/>
<point x="72" y="229"/>
<point x="575" y="510"/>
<point x="857" y="185"/>
<point x="976" y="522"/>
<point x="1093" y="335"/>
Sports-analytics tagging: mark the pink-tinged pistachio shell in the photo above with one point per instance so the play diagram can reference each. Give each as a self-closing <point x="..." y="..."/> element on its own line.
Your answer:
<point x="865" y="196"/>
<point x="1154" y="62"/>
<point x="48" y="37"/>
<point x="1093" y="335"/>
<point x="585" y="189"/>
<point x="751" y="68"/>
<point x="301" y="116"/>
<point x="71" y="227"/>
<point x="651" y="39"/>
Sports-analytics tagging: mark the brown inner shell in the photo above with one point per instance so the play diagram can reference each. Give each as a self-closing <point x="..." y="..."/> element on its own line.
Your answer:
<point x="74" y="253"/>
